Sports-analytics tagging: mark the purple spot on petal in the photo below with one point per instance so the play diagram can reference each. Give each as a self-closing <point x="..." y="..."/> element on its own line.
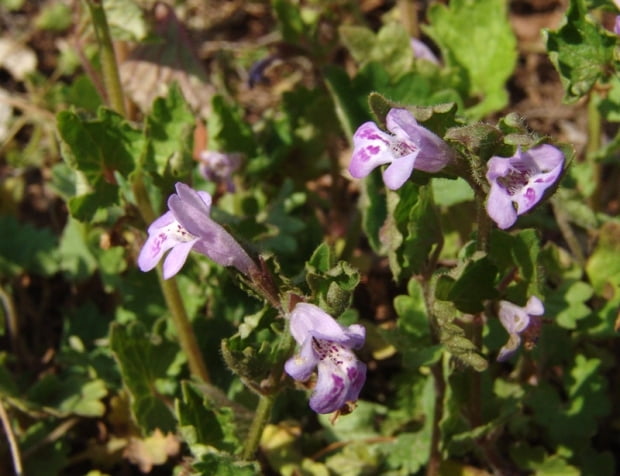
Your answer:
<point x="362" y="155"/>
<point x="369" y="133"/>
<point x="373" y="149"/>
<point x="156" y="248"/>
<point x="352" y="373"/>
<point x="338" y="384"/>
<point x="530" y="195"/>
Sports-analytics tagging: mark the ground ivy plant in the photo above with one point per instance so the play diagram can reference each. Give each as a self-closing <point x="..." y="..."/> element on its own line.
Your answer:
<point x="383" y="271"/>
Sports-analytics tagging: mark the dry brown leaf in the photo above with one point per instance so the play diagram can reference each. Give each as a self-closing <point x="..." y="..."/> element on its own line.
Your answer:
<point x="152" y="67"/>
<point x="153" y="450"/>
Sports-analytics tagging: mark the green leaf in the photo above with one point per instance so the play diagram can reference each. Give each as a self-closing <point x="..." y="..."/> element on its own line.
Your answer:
<point x="143" y="359"/>
<point x="567" y="303"/>
<point x="609" y="104"/>
<point x="126" y="20"/>
<point x="70" y="394"/>
<point x="450" y="192"/>
<point x="77" y="261"/>
<point x="373" y="204"/>
<point x="535" y="458"/>
<point x="290" y="20"/>
<point x="582" y="51"/>
<point x="479" y="139"/>
<point x="112" y="263"/>
<point x="412" y="229"/>
<point x="48" y="458"/>
<point x="81" y="93"/>
<point x="603" y="266"/>
<point x="257" y="352"/>
<point x="517" y="252"/>
<point x="54" y="17"/>
<point x="577" y="418"/>
<point x="205" y="423"/>
<point x="360" y="41"/>
<point x="98" y="149"/>
<point x="475" y="38"/>
<point x="169" y="129"/>
<point x="213" y="463"/>
<point x="356" y="458"/>
<point x="12" y="5"/>
<point x="332" y="283"/>
<point x="470" y="285"/>
<point x="350" y="109"/>
<point x="228" y="130"/>
<point x="24" y="248"/>
<point x="412" y="336"/>
<point x="390" y="47"/>
<point x="360" y="424"/>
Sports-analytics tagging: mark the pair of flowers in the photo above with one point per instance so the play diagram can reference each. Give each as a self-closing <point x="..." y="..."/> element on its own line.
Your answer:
<point x="324" y="343"/>
<point x="517" y="183"/>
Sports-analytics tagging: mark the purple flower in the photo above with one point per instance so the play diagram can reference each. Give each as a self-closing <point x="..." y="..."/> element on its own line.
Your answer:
<point x="219" y="167"/>
<point x="422" y="51"/>
<point x="519" y="320"/>
<point x="326" y="345"/>
<point x="519" y="182"/>
<point x="617" y="24"/>
<point x="187" y="226"/>
<point x="408" y="146"/>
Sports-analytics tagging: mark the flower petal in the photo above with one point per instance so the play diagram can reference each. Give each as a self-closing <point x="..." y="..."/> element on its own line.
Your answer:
<point x="399" y="171"/>
<point x="161" y="222"/>
<point x="189" y="208"/>
<point x="509" y="348"/>
<point x="177" y="257"/>
<point x="422" y="51"/>
<point x="514" y="318"/>
<point x="301" y="365"/>
<point x="548" y="159"/>
<point x="497" y="167"/>
<point x="371" y="148"/>
<point x="221" y="247"/>
<point x="534" y="307"/>
<point x="330" y="392"/>
<point x="434" y="153"/>
<point x="308" y="320"/>
<point x="157" y="243"/>
<point x="357" y="377"/>
<point x="499" y="207"/>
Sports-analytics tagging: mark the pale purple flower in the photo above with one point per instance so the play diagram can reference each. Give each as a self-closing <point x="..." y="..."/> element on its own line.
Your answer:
<point x="422" y="51"/>
<point x="326" y="345"/>
<point x="519" y="182"/>
<point x="187" y="226"/>
<point x="408" y="146"/>
<point x="518" y="320"/>
<point x="219" y="167"/>
<point x="617" y="24"/>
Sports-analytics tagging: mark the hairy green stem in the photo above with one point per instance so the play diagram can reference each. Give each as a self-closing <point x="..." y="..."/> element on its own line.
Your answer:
<point x="434" y="460"/>
<point x="260" y="420"/>
<point x="484" y="224"/>
<point x="439" y="380"/>
<point x="109" y="65"/>
<point x="187" y="339"/>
